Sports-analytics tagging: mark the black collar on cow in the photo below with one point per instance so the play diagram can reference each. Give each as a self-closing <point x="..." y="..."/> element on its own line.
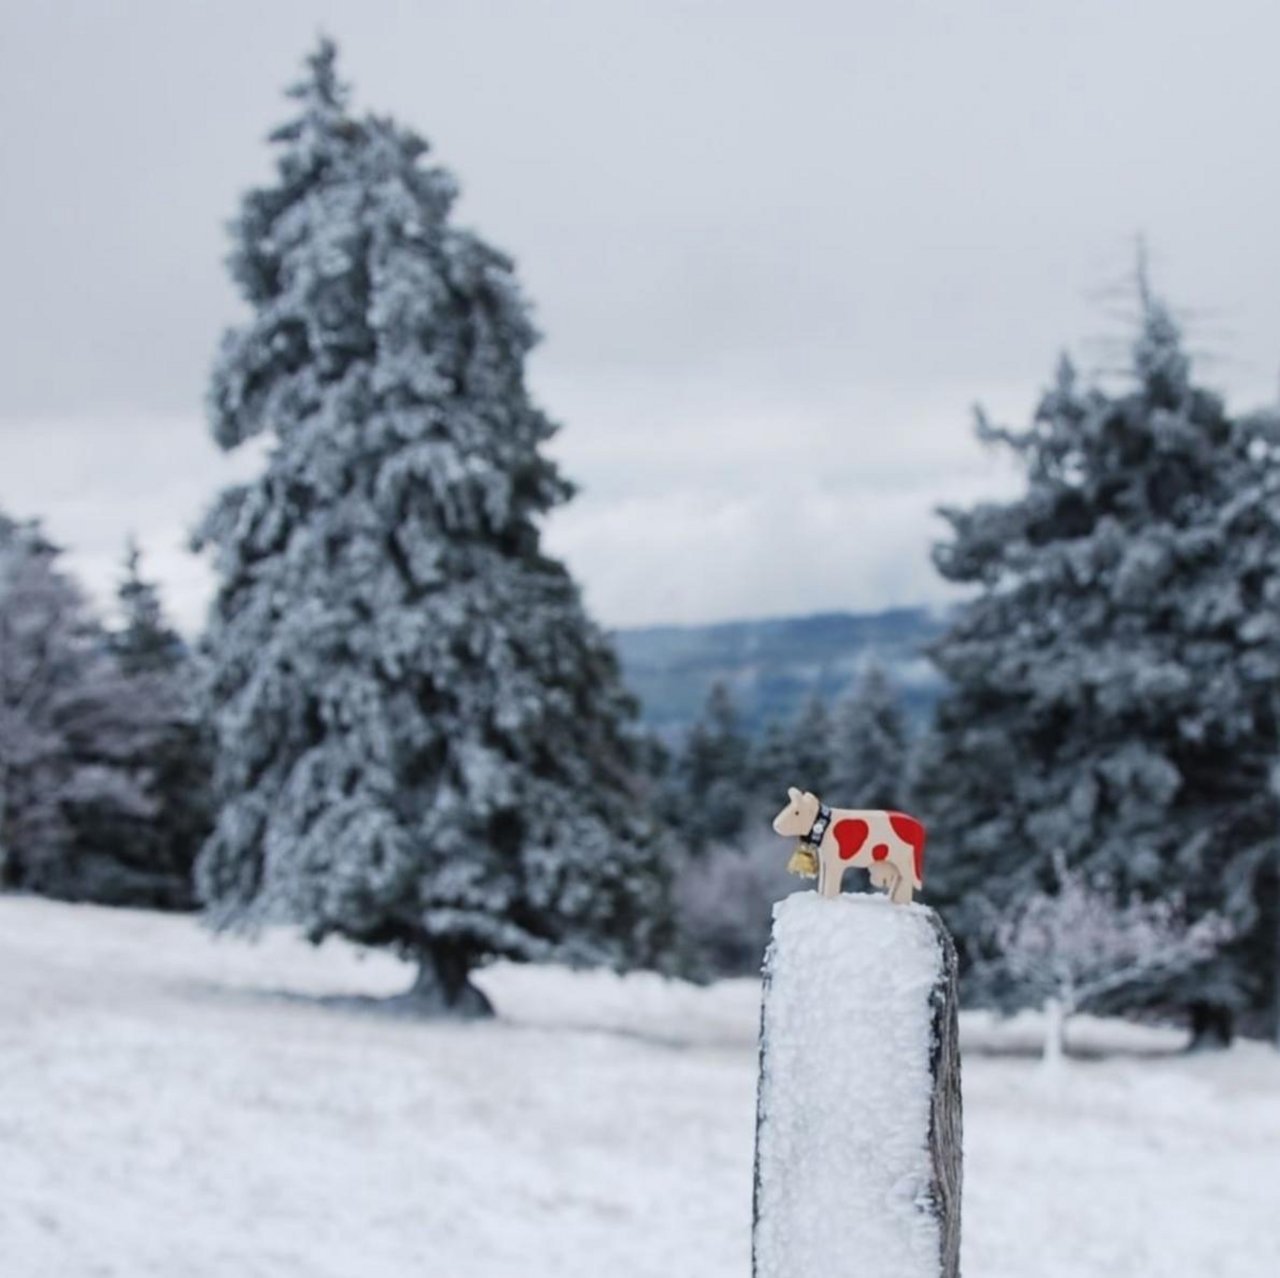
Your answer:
<point x="818" y="830"/>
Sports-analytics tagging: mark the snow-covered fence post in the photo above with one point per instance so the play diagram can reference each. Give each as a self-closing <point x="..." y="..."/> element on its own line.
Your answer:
<point x="858" y="1124"/>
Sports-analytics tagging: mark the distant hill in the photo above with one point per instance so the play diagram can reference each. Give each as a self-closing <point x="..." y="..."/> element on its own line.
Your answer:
<point x="773" y="666"/>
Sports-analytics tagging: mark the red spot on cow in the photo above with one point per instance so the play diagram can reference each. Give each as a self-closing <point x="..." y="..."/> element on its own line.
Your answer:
<point x="850" y="834"/>
<point x="911" y="832"/>
<point x="880" y="851"/>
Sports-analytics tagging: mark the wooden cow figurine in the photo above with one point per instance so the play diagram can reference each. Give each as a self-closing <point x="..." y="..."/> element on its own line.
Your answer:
<point x="888" y="844"/>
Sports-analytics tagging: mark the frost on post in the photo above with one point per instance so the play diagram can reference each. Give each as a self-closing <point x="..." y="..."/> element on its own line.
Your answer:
<point x="858" y="1150"/>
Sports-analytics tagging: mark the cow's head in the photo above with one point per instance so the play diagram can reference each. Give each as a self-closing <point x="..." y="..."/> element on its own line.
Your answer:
<point x="799" y="815"/>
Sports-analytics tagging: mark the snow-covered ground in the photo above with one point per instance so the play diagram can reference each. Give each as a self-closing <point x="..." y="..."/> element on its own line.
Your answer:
<point x="180" y="1106"/>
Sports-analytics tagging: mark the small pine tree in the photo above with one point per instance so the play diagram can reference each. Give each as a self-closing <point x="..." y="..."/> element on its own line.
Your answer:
<point x="810" y="733"/>
<point x="422" y="737"/>
<point x="708" y="793"/>
<point x="869" y="745"/>
<point x="67" y="721"/>
<point x="147" y="858"/>
<point x="1110" y="682"/>
<point x="144" y="641"/>
<point x="791" y="752"/>
<point x="773" y="765"/>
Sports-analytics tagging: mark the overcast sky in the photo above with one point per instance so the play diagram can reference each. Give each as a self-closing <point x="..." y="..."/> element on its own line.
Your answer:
<point x="778" y="251"/>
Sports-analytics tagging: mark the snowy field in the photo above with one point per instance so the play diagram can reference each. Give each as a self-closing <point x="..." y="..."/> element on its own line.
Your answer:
<point x="179" y="1106"/>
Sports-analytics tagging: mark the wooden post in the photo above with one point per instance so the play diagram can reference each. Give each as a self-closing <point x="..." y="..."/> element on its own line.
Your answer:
<point x="858" y="1124"/>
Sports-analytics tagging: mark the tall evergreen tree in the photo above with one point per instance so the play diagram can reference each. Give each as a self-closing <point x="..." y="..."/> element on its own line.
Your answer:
<point x="1249" y="524"/>
<point x="869" y="745"/>
<point x="1107" y="695"/>
<point x="422" y="737"/>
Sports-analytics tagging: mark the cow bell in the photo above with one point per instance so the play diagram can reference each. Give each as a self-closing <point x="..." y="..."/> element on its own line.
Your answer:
<point x="803" y="862"/>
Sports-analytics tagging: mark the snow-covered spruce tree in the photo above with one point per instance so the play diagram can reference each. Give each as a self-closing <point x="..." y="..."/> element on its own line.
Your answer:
<point x="787" y="752"/>
<point x="1111" y="683"/>
<point x="1077" y="945"/>
<point x="144" y="641"/>
<point x="718" y="811"/>
<point x="1250" y="522"/>
<point x="147" y="859"/>
<point x="810" y="733"/>
<point x="707" y="796"/>
<point x="68" y="725"/>
<point x="422" y="738"/>
<point x="771" y="764"/>
<point x="869" y="745"/>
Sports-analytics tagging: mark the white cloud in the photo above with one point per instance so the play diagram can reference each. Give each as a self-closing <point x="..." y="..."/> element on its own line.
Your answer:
<point x="726" y="498"/>
<point x="700" y="500"/>
<point x="96" y="480"/>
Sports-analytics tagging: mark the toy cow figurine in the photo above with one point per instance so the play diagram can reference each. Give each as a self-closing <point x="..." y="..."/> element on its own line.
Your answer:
<point x="888" y="844"/>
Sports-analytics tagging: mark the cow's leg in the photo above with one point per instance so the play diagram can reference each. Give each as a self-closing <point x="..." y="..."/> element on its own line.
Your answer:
<point x="830" y="872"/>
<point x="900" y="893"/>
<point x="884" y="874"/>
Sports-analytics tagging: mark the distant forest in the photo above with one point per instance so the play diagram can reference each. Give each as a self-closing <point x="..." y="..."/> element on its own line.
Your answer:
<point x="773" y="667"/>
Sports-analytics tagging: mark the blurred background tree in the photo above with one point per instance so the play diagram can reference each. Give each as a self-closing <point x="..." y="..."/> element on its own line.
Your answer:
<point x="722" y="792"/>
<point x="708" y="791"/>
<point x="1080" y="945"/>
<point x="870" y="746"/>
<point x="71" y="730"/>
<point x="145" y="857"/>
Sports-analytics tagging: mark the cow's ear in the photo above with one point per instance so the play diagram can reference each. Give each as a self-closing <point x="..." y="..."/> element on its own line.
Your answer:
<point x="793" y="794"/>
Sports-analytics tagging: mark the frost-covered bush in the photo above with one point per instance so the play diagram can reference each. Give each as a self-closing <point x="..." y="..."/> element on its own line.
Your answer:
<point x="725" y="900"/>
<point x="1078" y="946"/>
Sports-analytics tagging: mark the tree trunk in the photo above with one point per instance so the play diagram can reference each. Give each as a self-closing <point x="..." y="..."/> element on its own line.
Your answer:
<point x="8" y="863"/>
<point x="1212" y="1026"/>
<point x="1055" y="1034"/>
<point x="442" y="987"/>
